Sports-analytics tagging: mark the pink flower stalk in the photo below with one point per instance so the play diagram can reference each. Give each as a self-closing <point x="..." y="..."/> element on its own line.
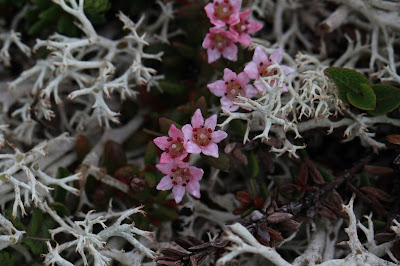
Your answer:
<point x="172" y="145"/>
<point x="220" y="42"/>
<point x="222" y="12"/>
<point x="201" y="137"/>
<point x="244" y="27"/>
<point x="259" y="67"/>
<point x="180" y="177"/>
<point x="232" y="86"/>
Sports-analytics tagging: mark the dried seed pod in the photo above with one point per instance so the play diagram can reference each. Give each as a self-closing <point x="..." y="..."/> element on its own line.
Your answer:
<point x="303" y="173"/>
<point x="274" y="234"/>
<point x="289" y="225"/>
<point x="278" y="217"/>
<point x="378" y="170"/>
<point x="267" y="203"/>
<point x="394" y="139"/>
<point x="314" y="172"/>
<point x="377" y="193"/>
<point x="263" y="234"/>
<point x="256" y="216"/>
<point x="381" y="238"/>
<point x="326" y="212"/>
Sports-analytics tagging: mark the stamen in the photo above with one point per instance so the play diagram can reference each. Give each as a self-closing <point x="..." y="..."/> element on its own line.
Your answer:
<point x="179" y="139"/>
<point x="194" y="129"/>
<point x="183" y="185"/>
<point x="166" y="150"/>
<point x="195" y="136"/>
<point x="202" y="144"/>
<point x="173" y="170"/>
<point x="209" y="130"/>
<point x="174" y="183"/>
<point x="169" y="139"/>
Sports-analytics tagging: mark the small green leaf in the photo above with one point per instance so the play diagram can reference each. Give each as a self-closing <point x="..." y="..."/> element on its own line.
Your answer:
<point x="222" y="162"/>
<point x="60" y="208"/>
<point x="7" y="259"/>
<point x="364" y="98"/>
<point x="346" y="80"/>
<point x="150" y="155"/>
<point x="253" y="165"/>
<point x="387" y="99"/>
<point x="166" y="123"/>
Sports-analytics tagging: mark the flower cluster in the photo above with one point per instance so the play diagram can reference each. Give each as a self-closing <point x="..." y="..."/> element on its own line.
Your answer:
<point x="234" y="84"/>
<point x="230" y="26"/>
<point x="199" y="137"/>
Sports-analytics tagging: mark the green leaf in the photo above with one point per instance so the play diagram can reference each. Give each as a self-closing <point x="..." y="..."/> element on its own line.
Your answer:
<point x="222" y="162"/>
<point x="7" y="259"/>
<point x="65" y="25"/>
<point x="364" y="98"/>
<point x="60" y="208"/>
<point x="150" y="155"/>
<point x="253" y="166"/>
<point x="166" y="123"/>
<point x="36" y="220"/>
<point x="387" y="99"/>
<point x="346" y="80"/>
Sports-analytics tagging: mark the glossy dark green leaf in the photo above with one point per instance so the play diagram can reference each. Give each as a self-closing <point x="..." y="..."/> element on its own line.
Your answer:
<point x="346" y="80"/>
<point x="150" y="155"/>
<point x="387" y="99"/>
<point x="222" y="162"/>
<point x="166" y="123"/>
<point x="253" y="165"/>
<point x="364" y="98"/>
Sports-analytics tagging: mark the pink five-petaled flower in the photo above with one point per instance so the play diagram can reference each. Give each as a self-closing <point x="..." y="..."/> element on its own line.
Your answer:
<point x="172" y="146"/>
<point x="220" y="42"/>
<point x="201" y="137"/>
<point x="222" y="12"/>
<point x="259" y="67"/>
<point x="232" y="86"/>
<point x="180" y="175"/>
<point x="244" y="27"/>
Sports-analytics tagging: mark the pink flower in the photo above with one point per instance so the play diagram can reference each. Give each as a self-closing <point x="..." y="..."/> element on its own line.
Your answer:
<point x="201" y="137"/>
<point x="222" y="12"/>
<point x="244" y="27"/>
<point x="179" y="175"/>
<point x="220" y="42"/>
<point x="259" y="67"/>
<point x="232" y="86"/>
<point x="172" y="145"/>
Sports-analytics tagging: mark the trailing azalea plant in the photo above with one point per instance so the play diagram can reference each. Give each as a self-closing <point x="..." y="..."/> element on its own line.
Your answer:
<point x="278" y="118"/>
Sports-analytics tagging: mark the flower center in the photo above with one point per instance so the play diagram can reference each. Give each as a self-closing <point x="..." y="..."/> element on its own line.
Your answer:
<point x="241" y="27"/>
<point x="202" y="136"/>
<point x="220" y="42"/>
<point x="233" y="89"/>
<point x="176" y="148"/>
<point x="180" y="176"/>
<point x="263" y="70"/>
<point x="222" y="10"/>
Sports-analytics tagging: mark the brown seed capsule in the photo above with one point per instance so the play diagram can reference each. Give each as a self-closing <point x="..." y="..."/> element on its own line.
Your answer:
<point x="274" y="234"/>
<point x="278" y="217"/>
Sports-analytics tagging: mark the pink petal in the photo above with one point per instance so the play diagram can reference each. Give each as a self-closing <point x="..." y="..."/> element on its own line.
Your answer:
<point x="254" y="26"/>
<point x="244" y="14"/>
<point x="229" y="75"/>
<point x="166" y="158"/>
<point x="174" y="132"/>
<point x="284" y="88"/>
<point x="207" y="41"/>
<point x="209" y="10"/>
<point x="260" y="56"/>
<point x="227" y="104"/>
<point x="193" y="187"/>
<point x="179" y="192"/>
<point x="211" y="150"/>
<point x="251" y="70"/>
<point x="287" y="69"/>
<point x="213" y="55"/>
<point x="236" y="4"/>
<point x="165" y="168"/>
<point x="244" y="39"/>
<point x="243" y="79"/>
<point x="218" y="88"/>
<point x="211" y="122"/>
<point x="192" y="147"/>
<point x="250" y="91"/>
<point x="230" y="52"/>
<point x="162" y="142"/>
<point x="217" y="136"/>
<point x="197" y="119"/>
<point x="187" y="132"/>
<point x="197" y="173"/>
<point x="165" y="183"/>
<point x="277" y="55"/>
<point x="259" y="86"/>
